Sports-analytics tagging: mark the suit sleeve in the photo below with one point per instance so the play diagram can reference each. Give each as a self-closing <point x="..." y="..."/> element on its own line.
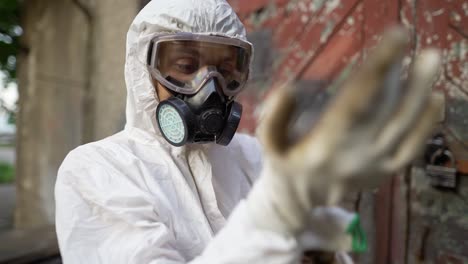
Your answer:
<point x="102" y="218"/>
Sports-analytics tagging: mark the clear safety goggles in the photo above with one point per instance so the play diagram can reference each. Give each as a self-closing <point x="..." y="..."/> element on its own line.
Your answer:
<point x="184" y="62"/>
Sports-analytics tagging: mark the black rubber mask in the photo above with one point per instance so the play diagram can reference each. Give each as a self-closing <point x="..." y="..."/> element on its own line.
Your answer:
<point x="205" y="117"/>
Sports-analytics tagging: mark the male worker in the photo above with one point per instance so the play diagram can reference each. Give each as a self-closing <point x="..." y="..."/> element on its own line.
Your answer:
<point x="153" y="194"/>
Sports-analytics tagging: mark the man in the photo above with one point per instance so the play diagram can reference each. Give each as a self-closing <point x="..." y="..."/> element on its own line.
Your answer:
<point x="153" y="194"/>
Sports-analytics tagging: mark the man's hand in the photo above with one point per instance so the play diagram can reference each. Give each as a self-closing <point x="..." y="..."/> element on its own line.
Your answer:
<point x="373" y="127"/>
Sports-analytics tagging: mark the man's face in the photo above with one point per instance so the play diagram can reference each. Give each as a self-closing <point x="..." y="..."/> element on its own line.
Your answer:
<point x="186" y="64"/>
<point x="205" y="73"/>
<point x="182" y="60"/>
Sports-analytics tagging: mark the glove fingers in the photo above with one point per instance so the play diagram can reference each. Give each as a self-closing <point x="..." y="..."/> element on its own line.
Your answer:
<point x="357" y="98"/>
<point x="274" y="125"/>
<point x="414" y="141"/>
<point x="420" y="82"/>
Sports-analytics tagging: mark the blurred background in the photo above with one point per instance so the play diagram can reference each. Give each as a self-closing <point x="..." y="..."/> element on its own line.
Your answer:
<point x="62" y="85"/>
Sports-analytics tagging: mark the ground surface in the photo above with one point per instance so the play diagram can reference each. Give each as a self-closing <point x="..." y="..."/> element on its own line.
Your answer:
<point x="7" y="191"/>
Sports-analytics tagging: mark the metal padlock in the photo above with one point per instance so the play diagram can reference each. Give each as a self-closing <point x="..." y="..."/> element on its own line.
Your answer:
<point x="442" y="176"/>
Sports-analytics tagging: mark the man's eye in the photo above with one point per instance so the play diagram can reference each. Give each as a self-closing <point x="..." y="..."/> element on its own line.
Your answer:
<point x="186" y="66"/>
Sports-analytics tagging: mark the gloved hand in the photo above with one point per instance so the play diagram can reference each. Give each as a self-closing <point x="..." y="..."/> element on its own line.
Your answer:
<point x="369" y="130"/>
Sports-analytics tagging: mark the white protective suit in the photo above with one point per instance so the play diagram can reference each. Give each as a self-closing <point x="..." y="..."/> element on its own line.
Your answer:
<point x="133" y="198"/>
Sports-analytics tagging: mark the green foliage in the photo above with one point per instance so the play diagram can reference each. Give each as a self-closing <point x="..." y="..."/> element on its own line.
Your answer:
<point x="11" y="117"/>
<point x="10" y="32"/>
<point x="7" y="173"/>
<point x="9" y="38"/>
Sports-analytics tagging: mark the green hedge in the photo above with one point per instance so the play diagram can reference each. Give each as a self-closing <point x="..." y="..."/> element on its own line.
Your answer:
<point x="7" y="173"/>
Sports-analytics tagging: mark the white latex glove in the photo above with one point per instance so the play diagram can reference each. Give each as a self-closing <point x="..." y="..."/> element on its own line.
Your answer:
<point x="371" y="128"/>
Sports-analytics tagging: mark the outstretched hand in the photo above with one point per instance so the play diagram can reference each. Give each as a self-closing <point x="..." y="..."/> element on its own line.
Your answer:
<point x="374" y="126"/>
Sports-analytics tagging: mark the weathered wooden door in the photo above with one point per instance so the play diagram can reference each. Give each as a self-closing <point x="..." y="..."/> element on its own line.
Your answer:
<point x="409" y="220"/>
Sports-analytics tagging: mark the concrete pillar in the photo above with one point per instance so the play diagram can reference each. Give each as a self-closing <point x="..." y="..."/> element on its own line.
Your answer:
<point x="72" y="90"/>
<point x="111" y="21"/>
<point x="51" y="81"/>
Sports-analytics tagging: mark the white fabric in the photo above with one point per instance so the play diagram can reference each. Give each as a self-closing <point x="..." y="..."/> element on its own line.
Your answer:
<point x="271" y="208"/>
<point x="133" y="198"/>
